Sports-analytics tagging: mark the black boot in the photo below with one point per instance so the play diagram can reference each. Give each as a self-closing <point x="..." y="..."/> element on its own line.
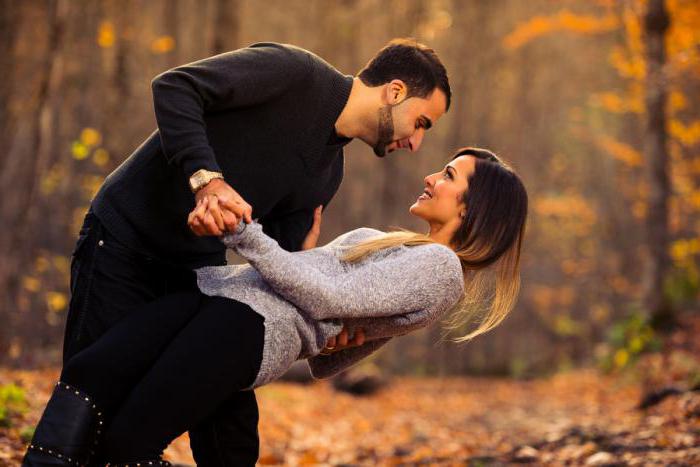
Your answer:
<point x="151" y="462"/>
<point x="67" y="432"/>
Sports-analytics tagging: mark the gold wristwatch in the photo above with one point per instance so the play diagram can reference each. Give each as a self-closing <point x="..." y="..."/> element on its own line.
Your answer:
<point x="201" y="177"/>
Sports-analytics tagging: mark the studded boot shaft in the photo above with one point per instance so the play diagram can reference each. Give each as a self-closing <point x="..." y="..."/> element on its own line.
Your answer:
<point x="68" y="431"/>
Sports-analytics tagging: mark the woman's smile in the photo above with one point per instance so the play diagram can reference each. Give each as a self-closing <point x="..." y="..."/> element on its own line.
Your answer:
<point x="425" y="196"/>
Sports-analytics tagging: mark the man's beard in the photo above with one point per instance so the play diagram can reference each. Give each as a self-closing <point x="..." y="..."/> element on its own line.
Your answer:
<point x="385" y="131"/>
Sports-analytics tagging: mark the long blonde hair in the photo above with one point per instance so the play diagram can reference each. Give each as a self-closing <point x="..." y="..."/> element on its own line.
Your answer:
<point x="490" y="234"/>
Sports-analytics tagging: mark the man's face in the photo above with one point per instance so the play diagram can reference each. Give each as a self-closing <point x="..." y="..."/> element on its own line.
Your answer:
<point x="403" y="125"/>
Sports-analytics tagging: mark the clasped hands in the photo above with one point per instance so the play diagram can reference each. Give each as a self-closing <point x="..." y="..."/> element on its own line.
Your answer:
<point x="219" y="209"/>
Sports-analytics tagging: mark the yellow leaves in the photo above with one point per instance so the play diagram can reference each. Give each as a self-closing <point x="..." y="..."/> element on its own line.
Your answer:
<point x="621" y="358"/>
<point x="77" y="218"/>
<point x="621" y="151"/>
<point x="600" y="313"/>
<point x="621" y="285"/>
<point x="79" y="151"/>
<point x="51" y="180"/>
<point x="31" y="284"/>
<point x="688" y="134"/>
<point x="551" y="305"/>
<point x="630" y="338"/>
<point x="576" y="268"/>
<point x="45" y="267"/>
<point x="105" y="34"/>
<point x="565" y="20"/>
<point x="546" y="297"/>
<point x="163" y="44"/>
<point x="676" y="101"/>
<point x="610" y="101"/>
<point x="631" y="20"/>
<point x="56" y="301"/>
<point x="684" y="248"/>
<point x="542" y="296"/>
<point x="100" y="157"/>
<point x="90" y="137"/>
<point x="61" y="264"/>
<point x="630" y="100"/>
<point x="627" y="66"/>
<point x="41" y="264"/>
<point x="564" y="325"/>
<point x="90" y="184"/>
<point x="694" y="199"/>
<point x="639" y="210"/>
<point x="572" y="212"/>
<point x="683" y="38"/>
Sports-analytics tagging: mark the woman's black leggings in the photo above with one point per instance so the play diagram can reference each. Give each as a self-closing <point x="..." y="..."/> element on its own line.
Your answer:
<point x="165" y="367"/>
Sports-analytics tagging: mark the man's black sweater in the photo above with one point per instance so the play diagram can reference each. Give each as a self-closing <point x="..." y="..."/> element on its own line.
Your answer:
<point x="264" y="116"/>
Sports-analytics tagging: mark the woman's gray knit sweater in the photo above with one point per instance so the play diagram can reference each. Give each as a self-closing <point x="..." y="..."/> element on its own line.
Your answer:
<point x="307" y="296"/>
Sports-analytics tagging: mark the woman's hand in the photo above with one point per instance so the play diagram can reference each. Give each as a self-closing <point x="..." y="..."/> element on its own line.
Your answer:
<point x="314" y="232"/>
<point x="225" y="208"/>
<point x="197" y="218"/>
<point x="341" y="341"/>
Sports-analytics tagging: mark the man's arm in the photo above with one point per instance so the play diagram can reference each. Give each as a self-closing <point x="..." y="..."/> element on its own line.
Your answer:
<point x="237" y="79"/>
<point x="292" y="230"/>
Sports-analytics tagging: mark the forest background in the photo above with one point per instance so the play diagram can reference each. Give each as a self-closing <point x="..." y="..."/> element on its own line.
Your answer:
<point x="603" y="126"/>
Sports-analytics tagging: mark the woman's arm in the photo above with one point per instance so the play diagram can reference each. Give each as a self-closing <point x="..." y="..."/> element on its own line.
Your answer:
<point x="412" y="281"/>
<point x="388" y="326"/>
<point x="325" y="366"/>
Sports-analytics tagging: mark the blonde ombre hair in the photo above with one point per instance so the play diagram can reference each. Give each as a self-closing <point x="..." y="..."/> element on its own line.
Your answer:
<point x="490" y="234"/>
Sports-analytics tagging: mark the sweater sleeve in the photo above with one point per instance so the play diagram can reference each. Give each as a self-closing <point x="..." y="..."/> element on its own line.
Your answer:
<point x="325" y="366"/>
<point x="236" y="79"/>
<point x="387" y="326"/>
<point x="394" y="285"/>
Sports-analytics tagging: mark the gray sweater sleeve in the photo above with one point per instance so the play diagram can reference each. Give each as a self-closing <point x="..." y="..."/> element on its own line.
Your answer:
<point x="394" y="285"/>
<point x="325" y="366"/>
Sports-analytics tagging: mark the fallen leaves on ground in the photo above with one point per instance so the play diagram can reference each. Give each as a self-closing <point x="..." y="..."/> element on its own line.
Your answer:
<point x="576" y="418"/>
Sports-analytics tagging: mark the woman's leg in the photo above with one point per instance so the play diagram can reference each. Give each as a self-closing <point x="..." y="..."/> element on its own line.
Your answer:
<point x="218" y="353"/>
<point x="108" y="369"/>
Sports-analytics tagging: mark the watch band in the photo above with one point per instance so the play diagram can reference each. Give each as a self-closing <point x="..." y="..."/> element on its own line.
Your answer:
<point x="202" y="177"/>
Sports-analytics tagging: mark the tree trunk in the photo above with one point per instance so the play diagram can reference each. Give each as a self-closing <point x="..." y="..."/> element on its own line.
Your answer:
<point x="225" y="26"/>
<point x="656" y="23"/>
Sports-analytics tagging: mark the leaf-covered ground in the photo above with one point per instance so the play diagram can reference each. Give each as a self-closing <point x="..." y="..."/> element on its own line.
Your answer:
<point x="576" y="418"/>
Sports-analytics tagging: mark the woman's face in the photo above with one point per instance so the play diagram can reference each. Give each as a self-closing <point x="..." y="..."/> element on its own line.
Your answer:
<point x="441" y="202"/>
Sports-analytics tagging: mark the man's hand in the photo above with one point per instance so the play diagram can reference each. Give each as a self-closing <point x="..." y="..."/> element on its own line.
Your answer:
<point x="225" y="209"/>
<point x="341" y="341"/>
<point x="314" y="232"/>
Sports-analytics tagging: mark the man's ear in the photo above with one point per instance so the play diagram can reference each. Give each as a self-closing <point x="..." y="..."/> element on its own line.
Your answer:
<point x="395" y="92"/>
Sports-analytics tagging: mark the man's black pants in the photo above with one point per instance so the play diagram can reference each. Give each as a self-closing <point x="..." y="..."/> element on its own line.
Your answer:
<point x="109" y="280"/>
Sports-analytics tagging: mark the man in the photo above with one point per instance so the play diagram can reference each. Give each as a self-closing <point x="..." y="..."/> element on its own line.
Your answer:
<point x="263" y="129"/>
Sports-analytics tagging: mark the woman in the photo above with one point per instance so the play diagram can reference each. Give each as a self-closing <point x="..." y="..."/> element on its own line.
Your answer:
<point x="164" y="368"/>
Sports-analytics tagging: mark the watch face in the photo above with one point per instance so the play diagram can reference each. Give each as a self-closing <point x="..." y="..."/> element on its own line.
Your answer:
<point x="202" y="177"/>
<point x="196" y="181"/>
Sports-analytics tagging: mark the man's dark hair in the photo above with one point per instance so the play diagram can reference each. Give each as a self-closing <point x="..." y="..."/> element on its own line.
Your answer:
<point x="415" y="64"/>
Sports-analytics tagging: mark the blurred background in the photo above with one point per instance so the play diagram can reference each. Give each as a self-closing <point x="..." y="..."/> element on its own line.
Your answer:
<point x="594" y="102"/>
<point x="558" y="88"/>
